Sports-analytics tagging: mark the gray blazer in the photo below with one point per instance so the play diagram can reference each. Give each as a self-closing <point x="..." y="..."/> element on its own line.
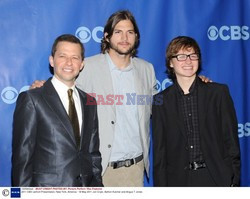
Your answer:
<point x="96" y="78"/>
<point x="44" y="147"/>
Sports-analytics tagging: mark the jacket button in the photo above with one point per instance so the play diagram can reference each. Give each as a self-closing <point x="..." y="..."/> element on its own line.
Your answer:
<point x="79" y="177"/>
<point x="112" y="122"/>
<point x="109" y="146"/>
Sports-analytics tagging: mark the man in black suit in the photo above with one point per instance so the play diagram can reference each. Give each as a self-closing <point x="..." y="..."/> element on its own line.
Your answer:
<point x="50" y="147"/>
<point x="195" y="131"/>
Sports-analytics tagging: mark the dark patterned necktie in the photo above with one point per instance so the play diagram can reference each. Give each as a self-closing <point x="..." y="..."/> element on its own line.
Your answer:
<point x="73" y="117"/>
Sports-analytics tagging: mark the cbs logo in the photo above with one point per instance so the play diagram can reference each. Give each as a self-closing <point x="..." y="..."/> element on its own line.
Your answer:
<point x="165" y="83"/>
<point x="9" y="94"/>
<point x="85" y="34"/>
<point x="244" y="130"/>
<point x="228" y="33"/>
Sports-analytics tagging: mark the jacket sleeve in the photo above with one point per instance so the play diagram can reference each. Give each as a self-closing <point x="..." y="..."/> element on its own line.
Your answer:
<point x="159" y="145"/>
<point x="95" y="153"/>
<point x="24" y="140"/>
<point x="230" y="133"/>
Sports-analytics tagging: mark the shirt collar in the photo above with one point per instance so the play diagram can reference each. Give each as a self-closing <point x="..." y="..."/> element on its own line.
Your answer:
<point x="112" y="66"/>
<point x="61" y="87"/>
<point x="191" y="89"/>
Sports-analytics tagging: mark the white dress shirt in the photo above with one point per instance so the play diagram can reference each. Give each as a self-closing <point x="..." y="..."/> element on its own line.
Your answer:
<point x="62" y="91"/>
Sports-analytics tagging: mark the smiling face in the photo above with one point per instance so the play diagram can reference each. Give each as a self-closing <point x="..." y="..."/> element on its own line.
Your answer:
<point x="183" y="58"/>
<point x="123" y="38"/>
<point x="67" y="62"/>
<point x="186" y="68"/>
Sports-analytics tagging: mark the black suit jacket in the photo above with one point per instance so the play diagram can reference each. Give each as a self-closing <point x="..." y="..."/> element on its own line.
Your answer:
<point x="218" y="135"/>
<point x="44" y="147"/>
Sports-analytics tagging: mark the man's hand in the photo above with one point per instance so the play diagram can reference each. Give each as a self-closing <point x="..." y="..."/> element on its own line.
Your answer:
<point x="37" y="84"/>
<point x="205" y="79"/>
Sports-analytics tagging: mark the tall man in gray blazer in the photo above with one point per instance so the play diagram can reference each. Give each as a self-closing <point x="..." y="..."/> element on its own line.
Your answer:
<point x="46" y="151"/>
<point x="123" y="86"/>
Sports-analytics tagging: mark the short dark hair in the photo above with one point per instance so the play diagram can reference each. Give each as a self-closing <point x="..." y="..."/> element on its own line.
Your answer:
<point x="178" y="43"/>
<point x="69" y="38"/>
<point x="113" y="20"/>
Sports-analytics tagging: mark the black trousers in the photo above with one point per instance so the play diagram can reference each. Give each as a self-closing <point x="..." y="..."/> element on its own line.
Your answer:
<point x="200" y="178"/>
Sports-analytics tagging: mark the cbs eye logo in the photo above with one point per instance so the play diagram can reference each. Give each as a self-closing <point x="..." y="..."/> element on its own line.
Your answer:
<point x="228" y="33"/>
<point x="9" y="94"/>
<point x="84" y="34"/>
<point x="165" y="83"/>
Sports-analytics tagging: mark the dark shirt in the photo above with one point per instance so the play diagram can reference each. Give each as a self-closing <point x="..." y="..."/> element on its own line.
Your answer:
<point x="189" y="107"/>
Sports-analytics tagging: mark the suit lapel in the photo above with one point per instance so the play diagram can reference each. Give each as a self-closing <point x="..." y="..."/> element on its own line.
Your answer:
<point x="53" y="100"/>
<point x="84" y="113"/>
<point x="202" y="102"/>
<point x="176" y="113"/>
<point x="139" y="88"/>
<point x="107" y="79"/>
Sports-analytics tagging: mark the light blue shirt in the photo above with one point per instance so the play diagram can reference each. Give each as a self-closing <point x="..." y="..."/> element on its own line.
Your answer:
<point x="126" y="144"/>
